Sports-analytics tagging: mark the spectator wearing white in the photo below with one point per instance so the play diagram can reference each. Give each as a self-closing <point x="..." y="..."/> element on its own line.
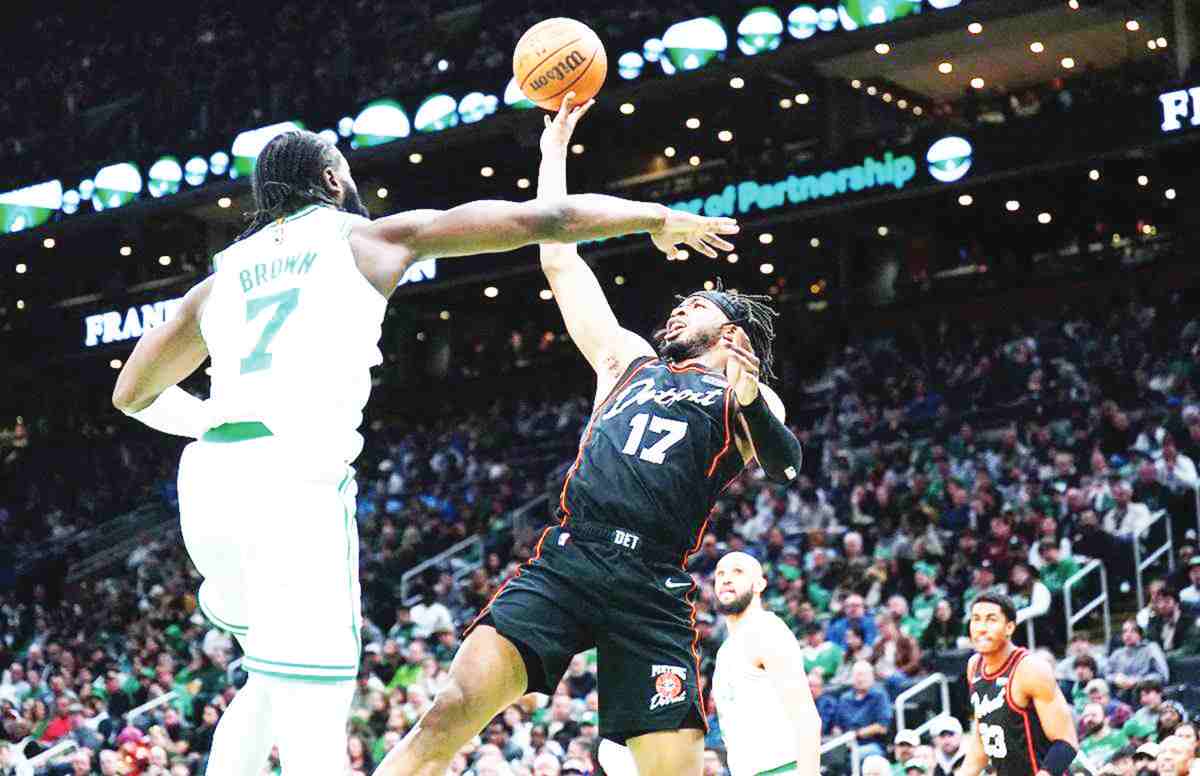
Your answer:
<point x="545" y="764"/>
<point x="1024" y="585"/>
<point x="876" y="765"/>
<point x="430" y="616"/>
<point x="1127" y="517"/>
<point x="906" y="743"/>
<point x="948" y="753"/>
<point x="1190" y="595"/>
<point x="1176" y="471"/>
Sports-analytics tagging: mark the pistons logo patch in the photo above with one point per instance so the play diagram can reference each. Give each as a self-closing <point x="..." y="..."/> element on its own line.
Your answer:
<point x="668" y="685"/>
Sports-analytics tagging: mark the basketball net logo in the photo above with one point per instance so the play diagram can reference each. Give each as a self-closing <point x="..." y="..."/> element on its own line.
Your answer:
<point x="668" y="685"/>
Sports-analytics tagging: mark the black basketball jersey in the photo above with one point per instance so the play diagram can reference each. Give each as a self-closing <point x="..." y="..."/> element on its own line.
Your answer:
<point x="656" y="454"/>
<point x="1012" y="737"/>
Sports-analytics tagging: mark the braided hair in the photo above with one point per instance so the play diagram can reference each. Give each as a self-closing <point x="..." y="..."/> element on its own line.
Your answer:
<point x="753" y="314"/>
<point x="287" y="176"/>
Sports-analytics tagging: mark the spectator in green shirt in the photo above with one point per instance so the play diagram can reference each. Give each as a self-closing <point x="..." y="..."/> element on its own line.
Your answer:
<point x="928" y="594"/>
<point x="1144" y="722"/>
<point x="1100" y="742"/>
<point x="819" y="653"/>
<point x="1056" y="569"/>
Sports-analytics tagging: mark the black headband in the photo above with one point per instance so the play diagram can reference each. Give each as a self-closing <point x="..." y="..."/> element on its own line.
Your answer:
<point x="728" y="304"/>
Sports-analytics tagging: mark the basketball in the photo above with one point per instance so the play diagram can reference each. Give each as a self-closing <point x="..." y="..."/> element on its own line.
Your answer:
<point x="556" y="56"/>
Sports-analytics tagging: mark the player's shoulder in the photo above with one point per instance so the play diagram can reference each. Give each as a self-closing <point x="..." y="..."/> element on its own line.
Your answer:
<point x="1033" y="668"/>
<point x="768" y="626"/>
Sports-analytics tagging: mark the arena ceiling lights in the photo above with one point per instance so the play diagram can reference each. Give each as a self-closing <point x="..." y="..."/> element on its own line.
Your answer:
<point x="381" y="121"/>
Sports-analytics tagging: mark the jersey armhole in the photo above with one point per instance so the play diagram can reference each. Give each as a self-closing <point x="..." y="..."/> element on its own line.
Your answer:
<point x="971" y="665"/>
<point x="1012" y="678"/>
<point x="634" y="365"/>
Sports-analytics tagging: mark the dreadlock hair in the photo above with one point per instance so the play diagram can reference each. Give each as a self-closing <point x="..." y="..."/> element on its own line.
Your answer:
<point x="753" y="314"/>
<point x="287" y="176"/>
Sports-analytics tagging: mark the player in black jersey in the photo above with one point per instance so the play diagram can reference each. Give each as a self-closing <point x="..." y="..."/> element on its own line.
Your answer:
<point x="669" y="431"/>
<point x="1023" y="724"/>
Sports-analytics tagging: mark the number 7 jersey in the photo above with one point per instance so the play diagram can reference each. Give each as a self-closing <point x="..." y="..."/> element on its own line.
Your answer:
<point x="293" y="329"/>
<point x="656" y="455"/>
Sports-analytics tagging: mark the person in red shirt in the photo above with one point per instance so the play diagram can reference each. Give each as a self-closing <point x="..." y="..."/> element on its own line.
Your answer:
<point x="61" y="724"/>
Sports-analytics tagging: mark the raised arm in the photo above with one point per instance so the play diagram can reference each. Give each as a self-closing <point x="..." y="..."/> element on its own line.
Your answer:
<point x="784" y="665"/>
<point x="585" y="309"/>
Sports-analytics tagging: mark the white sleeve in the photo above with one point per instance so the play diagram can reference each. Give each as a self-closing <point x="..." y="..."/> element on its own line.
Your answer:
<point x="1038" y="605"/>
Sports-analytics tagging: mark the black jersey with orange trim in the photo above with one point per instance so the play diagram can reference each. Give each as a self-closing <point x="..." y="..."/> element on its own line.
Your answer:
<point x="656" y="455"/>
<point x="1012" y="737"/>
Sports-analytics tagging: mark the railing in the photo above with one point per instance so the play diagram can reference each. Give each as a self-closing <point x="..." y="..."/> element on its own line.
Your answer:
<point x="151" y="705"/>
<point x="445" y="556"/>
<point x="918" y="688"/>
<point x="59" y="749"/>
<point x="1101" y="599"/>
<point x="102" y="559"/>
<point x="1140" y="564"/>
<point x="848" y="741"/>
<point x="1029" y="634"/>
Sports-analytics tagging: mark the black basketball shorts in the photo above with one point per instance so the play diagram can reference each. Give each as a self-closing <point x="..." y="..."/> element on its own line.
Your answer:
<point x="638" y="612"/>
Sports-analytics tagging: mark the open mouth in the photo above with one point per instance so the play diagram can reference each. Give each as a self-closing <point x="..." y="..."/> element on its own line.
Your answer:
<point x="674" y="329"/>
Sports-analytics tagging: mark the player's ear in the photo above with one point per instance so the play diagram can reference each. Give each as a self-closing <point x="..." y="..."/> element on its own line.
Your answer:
<point x="332" y="182"/>
<point x="1010" y="628"/>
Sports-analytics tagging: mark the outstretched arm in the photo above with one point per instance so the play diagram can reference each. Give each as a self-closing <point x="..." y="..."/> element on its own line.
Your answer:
<point x="146" y="387"/>
<point x="585" y="309"/>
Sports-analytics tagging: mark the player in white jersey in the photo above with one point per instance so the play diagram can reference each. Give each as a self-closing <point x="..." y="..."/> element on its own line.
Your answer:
<point x="768" y="718"/>
<point x="291" y="320"/>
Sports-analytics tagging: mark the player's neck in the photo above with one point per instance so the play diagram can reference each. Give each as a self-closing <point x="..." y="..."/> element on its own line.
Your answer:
<point x="735" y="621"/>
<point x="994" y="661"/>
<point x="711" y="360"/>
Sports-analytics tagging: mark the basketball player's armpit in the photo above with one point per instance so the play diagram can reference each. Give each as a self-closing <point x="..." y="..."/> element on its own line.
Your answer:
<point x="776" y="447"/>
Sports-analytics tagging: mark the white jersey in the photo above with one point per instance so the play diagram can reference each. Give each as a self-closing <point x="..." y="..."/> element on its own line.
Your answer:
<point x="293" y="329"/>
<point x="759" y="736"/>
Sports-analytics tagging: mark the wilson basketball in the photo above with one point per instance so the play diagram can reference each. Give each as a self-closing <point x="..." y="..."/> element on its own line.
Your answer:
<point x="557" y="56"/>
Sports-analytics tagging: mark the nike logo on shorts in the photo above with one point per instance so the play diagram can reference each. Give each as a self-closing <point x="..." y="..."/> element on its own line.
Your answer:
<point x="673" y="585"/>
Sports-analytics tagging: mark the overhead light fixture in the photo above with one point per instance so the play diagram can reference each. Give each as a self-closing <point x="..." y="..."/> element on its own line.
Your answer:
<point x="917" y="110"/>
<point x="491" y="292"/>
<point x="627" y="108"/>
<point x="693" y="123"/>
<point x="901" y="104"/>
<point x="974" y="28"/>
<point x="802" y="98"/>
<point x="382" y="193"/>
<point x="882" y="48"/>
<point x="1169" y="193"/>
<point x="724" y="136"/>
<point x="1132" y="25"/>
<point x="224" y="202"/>
<point x="815" y="242"/>
<point x="126" y="250"/>
<point x="977" y="82"/>
<point x="766" y="268"/>
<point x="856" y="84"/>
<point x="785" y="103"/>
<point x="577" y="148"/>
<point x="1152" y="44"/>
<point x="545" y="295"/>
<point x="1143" y="180"/>
<point x="444" y="315"/>
<point x="814" y="289"/>
<point x="522" y="183"/>
<point x="882" y="231"/>
<point x="709" y="285"/>
<point x="1067" y="62"/>
<point x="737" y="82"/>
<point x="164" y="260"/>
<point x="1045" y="218"/>
<point x="1037" y="47"/>
<point x="1094" y="175"/>
<point x="20" y="304"/>
<point x="1073" y="5"/>
<point x="486" y="172"/>
<point x="946" y="68"/>
<point x="694" y="161"/>
<point x="732" y="258"/>
<point x="21" y="269"/>
<point x="887" y="96"/>
<point x="966" y="200"/>
<point x="48" y="242"/>
<point x="415" y="158"/>
<point x="1161" y="41"/>
<point x="1012" y="206"/>
<point x="620" y="279"/>
<point x="115" y="363"/>
<point x="871" y="90"/>
<point x="766" y="238"/>
<point x="669" y="151"/>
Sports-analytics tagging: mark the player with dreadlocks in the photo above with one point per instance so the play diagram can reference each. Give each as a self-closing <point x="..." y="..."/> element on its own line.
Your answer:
<point x="291" y="320"/>
<point x="670" y="430"/>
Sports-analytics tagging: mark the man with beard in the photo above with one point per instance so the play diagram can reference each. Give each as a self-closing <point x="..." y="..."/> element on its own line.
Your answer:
<point x="671" y="429"/>
<point x="1100" y="742"/>
<point x="292" y="319"/>
<point x="767" y="713"/>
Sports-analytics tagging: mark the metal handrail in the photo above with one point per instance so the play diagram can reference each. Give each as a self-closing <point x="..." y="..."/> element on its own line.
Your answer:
<point x="437" y="561"/>
<point x="151" y="705"/>
<point x="1102" y="599"/>
<point x="847" y="740"/>
<point x="1029" y="633"/>
<point x="919" y="687"/>
<point x="61" y="748"/>
<point x="1140" y="564"/>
